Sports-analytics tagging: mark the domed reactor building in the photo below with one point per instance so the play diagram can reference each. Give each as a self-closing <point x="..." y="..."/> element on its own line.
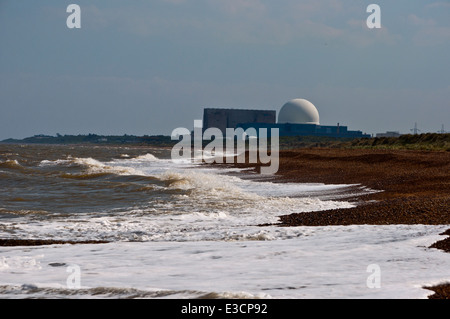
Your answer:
<point x="297" y="117"/>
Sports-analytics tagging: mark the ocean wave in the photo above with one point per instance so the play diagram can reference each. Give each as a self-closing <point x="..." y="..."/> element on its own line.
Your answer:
<point x="44" y="163"/>
<point x="59" y="291"/>
<point x="11" y="164"/>
<point x="25" y="212"/>
<point x="256" y="236"/>
<point x="209" y="185"/>
<point x="177" y="223"/>
<point x="139" y="160"/>
<point x="84" y="176"/>
<point x="95" y="168"/>
<point x="146" y="158"/>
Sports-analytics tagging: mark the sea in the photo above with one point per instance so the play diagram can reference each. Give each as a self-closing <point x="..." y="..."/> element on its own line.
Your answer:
<point x="180" y="230"/>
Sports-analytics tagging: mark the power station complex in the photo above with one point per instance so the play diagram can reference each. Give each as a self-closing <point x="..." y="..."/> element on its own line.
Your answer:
<point x="297" y="117"/>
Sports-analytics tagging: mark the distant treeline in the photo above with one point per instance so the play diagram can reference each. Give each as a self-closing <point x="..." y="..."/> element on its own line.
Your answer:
<point x="157" y="140"/>
<point x="428" y="141"/>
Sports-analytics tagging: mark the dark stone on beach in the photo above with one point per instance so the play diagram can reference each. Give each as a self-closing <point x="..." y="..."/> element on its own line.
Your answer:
<point x="57" y="264"/>
<point x="443" y="244"/>
<point x="440" y="291"/>
<point x="401" y="211"/>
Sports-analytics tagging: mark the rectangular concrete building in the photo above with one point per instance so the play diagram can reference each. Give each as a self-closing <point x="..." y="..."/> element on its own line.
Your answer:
<point x="230" y="118"/>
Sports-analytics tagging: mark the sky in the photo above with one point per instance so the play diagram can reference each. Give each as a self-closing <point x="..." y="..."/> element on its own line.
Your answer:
<point x="147" y="67"/>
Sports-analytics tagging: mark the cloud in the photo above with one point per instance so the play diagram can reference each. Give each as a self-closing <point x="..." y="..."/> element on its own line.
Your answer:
<point x="279" y="23"/>
<point x="428" y="32"/>
<point x="230" y="21"/>
<point x="432" y="36"/>
<point x="438" y="5"/>
<point x="360" y="35"/>
<point x="420" y="22"/>
<point x="140" y="21"/>
<point x="175" y="1"/>
<point x="238" y="7"/>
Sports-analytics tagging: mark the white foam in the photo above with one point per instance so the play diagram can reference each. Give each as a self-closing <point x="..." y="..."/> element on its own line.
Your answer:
<point x="146" y="158"/>
<point x="11" y="163"/>
<point x="207" y="184"/>
<point x="44" y="163"/>
<point x="186" y="219"/>
<point x="95" y="166"/>
<point x="202" y="238"/>
<point x="321" y="262"/>
<point x="20" y="263"/>
<point x="203" y="205"/>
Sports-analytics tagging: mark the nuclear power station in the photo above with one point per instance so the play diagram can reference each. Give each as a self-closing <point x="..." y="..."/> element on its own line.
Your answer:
<point x="231" y="118"/>
<point x="298" y="117"/>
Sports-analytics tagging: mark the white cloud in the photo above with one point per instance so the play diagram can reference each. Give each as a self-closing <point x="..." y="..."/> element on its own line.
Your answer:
<point x="234" y="21"/>
<point x="260" y="22"/>
<point x="175" y="1"/>
<point x="428" y="32"/>
<point x="237" y="7"/>
<point x="432" y="36"/>
<point x="416" y="21"/>
<point x="438" y="5"/>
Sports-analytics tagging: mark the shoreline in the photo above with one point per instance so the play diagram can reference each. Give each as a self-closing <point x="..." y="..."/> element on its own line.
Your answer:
<point x="412" y="189"/>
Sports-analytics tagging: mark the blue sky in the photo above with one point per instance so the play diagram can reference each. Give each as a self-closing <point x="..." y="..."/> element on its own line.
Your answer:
<point x="148" y="67"/>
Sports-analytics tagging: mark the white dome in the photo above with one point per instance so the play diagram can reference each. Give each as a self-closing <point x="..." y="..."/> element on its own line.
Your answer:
<point x="299" y="111"/>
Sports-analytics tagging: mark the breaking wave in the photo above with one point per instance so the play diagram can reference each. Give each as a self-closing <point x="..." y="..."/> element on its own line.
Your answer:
<point x="11" y="164"/>
<point x="146" y="158"/>
<point x="94" y="167"/>
<point x="144" y="198"/>
<point x="42" y="292"/>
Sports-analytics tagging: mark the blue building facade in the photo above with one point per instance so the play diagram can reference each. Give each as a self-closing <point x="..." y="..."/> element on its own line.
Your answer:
<point x="289" y="129"/>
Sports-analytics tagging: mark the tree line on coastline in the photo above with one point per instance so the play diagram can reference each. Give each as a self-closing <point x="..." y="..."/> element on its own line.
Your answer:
<point x="157" y="140"/>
